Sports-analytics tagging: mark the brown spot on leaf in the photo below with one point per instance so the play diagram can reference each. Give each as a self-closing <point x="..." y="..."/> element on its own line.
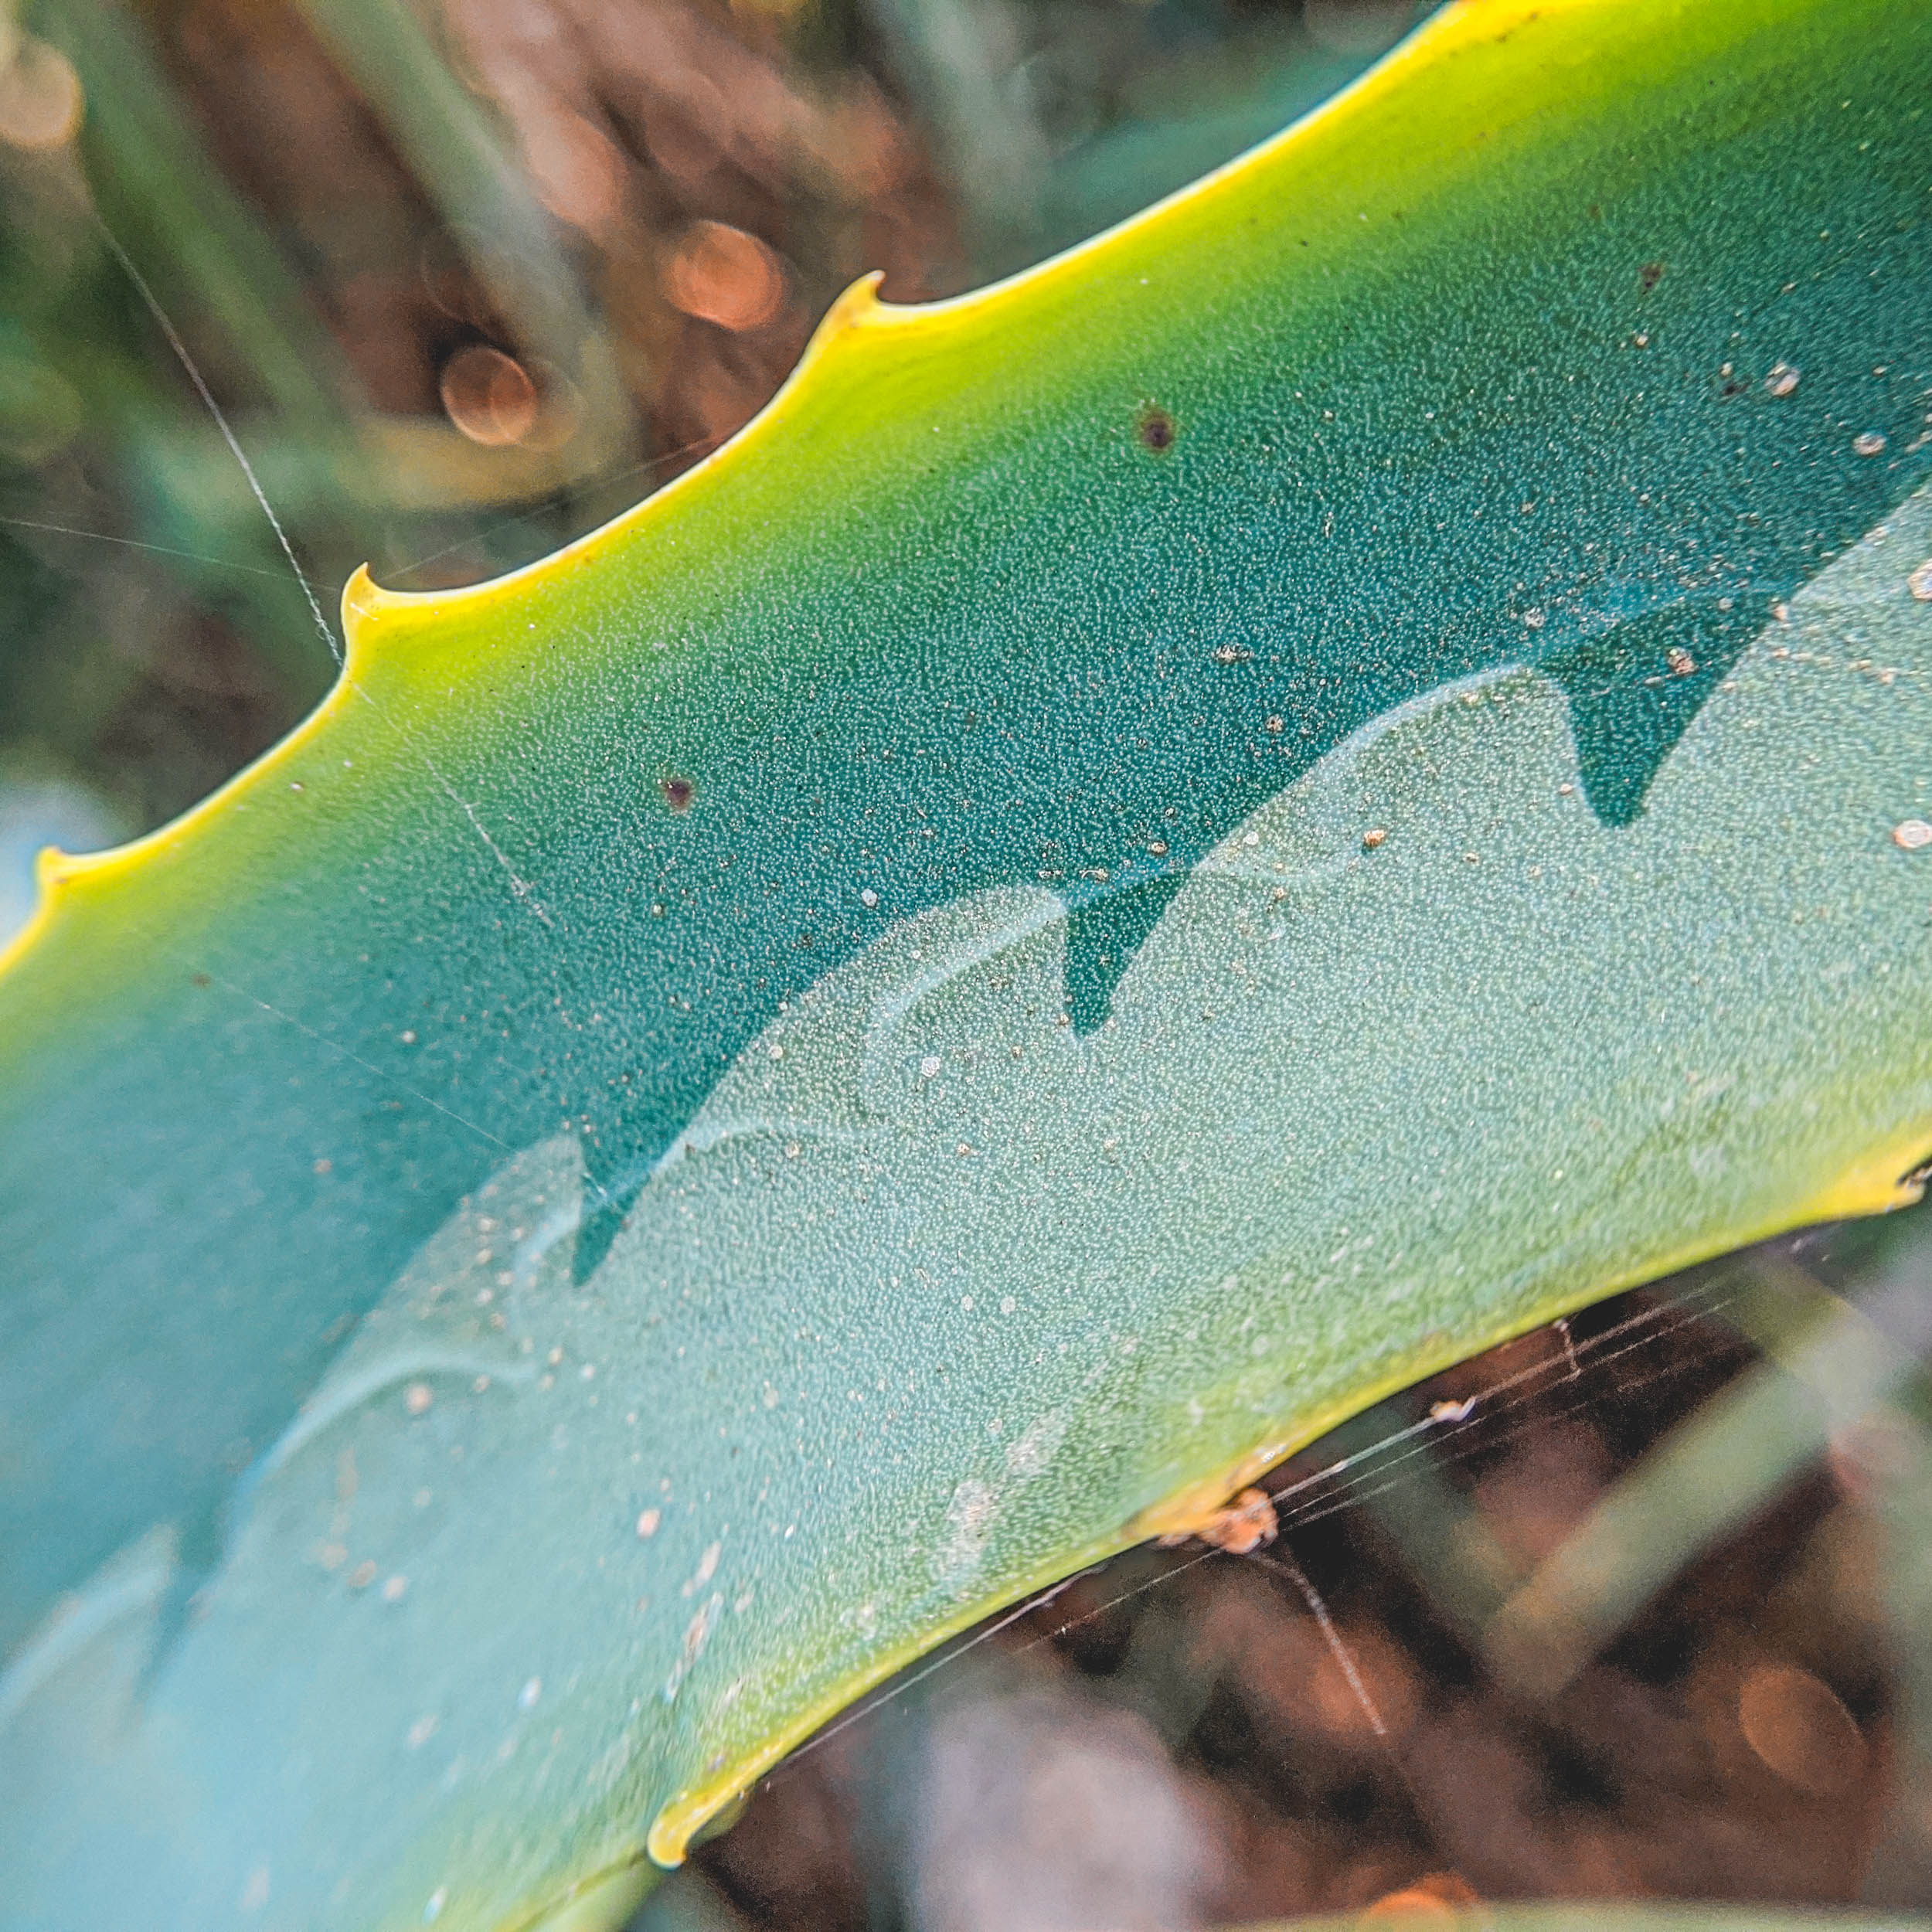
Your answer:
<point x="1157" y="429"/>
<point x="1649" y="276"/>
<point x="678" y="792"/>
<point x="1243" y="1524"/>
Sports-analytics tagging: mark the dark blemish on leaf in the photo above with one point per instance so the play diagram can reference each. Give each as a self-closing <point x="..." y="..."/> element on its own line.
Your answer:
<point x="1158" y="430"/>
<point x="678" y="793"/>
<point x="1649" y="276"/>
<point x="201" y="979"/>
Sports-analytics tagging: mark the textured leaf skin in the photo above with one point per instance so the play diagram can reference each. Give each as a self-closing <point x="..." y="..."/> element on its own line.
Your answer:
<point x="922" y="1251"/>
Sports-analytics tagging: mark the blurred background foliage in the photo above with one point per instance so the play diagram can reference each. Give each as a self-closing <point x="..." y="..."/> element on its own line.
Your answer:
<point x="1637" y="1607"/>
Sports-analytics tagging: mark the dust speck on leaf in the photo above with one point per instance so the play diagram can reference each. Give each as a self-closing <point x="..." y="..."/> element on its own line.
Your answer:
<point x="1919" y="582"/>
<point x="1912" y="834"/>
<point x="1868" y="443"/>
<point x="1782" y="379"/>
<point x="707" y="1569"/>
<point x="697" y="1635"/>
<point x="970" y="1514"/>
<point x="1649" y="276"/>
<point x="1679" y="661"/>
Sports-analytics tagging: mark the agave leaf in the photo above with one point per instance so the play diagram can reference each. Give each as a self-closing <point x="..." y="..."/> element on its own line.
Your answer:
<point x="1150" y="855"/>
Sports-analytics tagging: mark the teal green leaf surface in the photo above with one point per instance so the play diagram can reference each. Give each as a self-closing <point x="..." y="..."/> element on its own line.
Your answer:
<point x="1147" y="856"/>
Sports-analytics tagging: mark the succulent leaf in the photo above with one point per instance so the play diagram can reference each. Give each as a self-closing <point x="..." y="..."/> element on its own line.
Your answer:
<point x="1149" y="855"/>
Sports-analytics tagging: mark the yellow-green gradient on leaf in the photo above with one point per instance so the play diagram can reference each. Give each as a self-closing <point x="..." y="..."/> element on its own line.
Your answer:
<point x="1148" y="855"/>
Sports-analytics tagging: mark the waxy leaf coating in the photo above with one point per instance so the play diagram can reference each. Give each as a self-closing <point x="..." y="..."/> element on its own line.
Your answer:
<point x="1148" y="856"/>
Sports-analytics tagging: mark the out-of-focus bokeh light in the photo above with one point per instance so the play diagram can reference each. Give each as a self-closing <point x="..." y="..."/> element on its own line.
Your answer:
<point x="1796" y="1723"/>
<point x="1437" y="1895"/>
<point x="577" y="169"/>
<point x="41" y="101"/>
<point x="489" y="396"/>
<point x="721" y="274"/>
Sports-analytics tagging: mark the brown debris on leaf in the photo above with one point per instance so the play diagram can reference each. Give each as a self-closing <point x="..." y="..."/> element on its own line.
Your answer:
<point x="1246" y="1523"/>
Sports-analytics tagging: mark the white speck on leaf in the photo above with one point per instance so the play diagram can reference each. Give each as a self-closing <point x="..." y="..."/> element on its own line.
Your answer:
<point x="697" y="1635"/>
<point x="707" y="1569"/>
<point x="970" y="1515"/>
